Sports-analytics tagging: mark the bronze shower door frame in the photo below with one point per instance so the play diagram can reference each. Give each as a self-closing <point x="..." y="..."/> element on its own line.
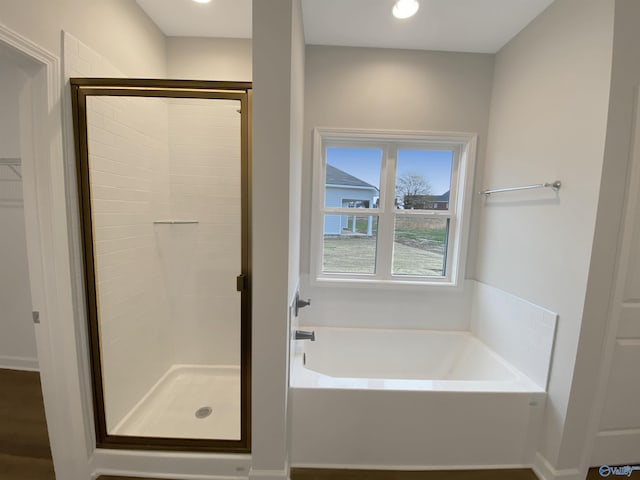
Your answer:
<point x="81" y="88"/>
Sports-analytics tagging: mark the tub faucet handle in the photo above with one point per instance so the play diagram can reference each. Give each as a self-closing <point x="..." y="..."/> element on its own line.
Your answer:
<point x="305" y="335"/>
<point x="299" y="303"/>
<point x="303" y="303"/>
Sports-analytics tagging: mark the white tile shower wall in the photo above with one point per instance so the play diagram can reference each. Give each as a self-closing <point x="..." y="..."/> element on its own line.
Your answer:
<point x="204" y="145"/>
<point x="129" y="155"/>
<point x="128" y="159"/>
<point x="519" y="331"/>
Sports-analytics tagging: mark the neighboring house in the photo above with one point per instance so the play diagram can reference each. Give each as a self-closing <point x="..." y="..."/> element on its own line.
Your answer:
<point x="427" y="202"/>
<point x="343" y="190"/>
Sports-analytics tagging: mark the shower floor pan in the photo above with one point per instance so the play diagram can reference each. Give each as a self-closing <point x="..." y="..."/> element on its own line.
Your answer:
<point x="189" y="401"/>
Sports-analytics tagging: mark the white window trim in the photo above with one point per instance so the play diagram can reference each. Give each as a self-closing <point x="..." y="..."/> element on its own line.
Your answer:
<point x="460" y="211"/>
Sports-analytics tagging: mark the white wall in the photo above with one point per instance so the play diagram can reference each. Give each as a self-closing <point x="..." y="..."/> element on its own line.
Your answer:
<point x="277" y="91"/>
<point x="12" y="79"/>
<point x="296" y="154"/>
<point x="398" y="90"/>
<point x="295" y="189"/>
<point x="209" y="58"/>
<point x="17" y="337"/>
<point x="118" y="29"/>
<point x="548" y="122"/>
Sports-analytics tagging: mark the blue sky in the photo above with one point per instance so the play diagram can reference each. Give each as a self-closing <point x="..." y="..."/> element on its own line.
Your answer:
<point x="365" y="163"/>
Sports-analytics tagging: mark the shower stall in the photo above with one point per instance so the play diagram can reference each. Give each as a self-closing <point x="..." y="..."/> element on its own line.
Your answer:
<point x="163" y="172"/>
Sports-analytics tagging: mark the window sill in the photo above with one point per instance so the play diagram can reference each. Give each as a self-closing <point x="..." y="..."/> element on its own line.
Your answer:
<point x="443" y="285"/>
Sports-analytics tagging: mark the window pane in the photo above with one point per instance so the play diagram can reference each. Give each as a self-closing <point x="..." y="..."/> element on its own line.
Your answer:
<point x="420" y="246"/>
<point x="353" y="177"/>
<point x="423" y="179"/>
<point x="350" y="243"/>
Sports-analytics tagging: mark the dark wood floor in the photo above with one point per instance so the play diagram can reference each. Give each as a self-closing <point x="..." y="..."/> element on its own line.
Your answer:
<point x="313" y="474"/>
<point x="316" y="474"/>
<point x="25" y="452"/>
<point x="24" y="442"/>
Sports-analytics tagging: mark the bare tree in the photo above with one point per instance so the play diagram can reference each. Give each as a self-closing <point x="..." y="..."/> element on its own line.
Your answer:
<point x="410" y="186"/>
<point x="413" y="184"/>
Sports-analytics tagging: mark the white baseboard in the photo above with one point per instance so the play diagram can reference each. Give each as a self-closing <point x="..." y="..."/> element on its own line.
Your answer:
<point x="170" y="465"/>
<point x="418" y="468"/>
<point x="542" y="468"/>
<point x="19" y="363"/>
<point x="168" y="476"/>
<point x="268" y="474"/>
<point x="545" y="471"/>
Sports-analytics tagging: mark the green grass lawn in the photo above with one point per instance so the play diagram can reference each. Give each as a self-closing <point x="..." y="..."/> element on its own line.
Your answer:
<point x="431" y="237"/>
<point x="434" y="241"/>
<point x="413" y="254"/>
<point x="346" y="254"/>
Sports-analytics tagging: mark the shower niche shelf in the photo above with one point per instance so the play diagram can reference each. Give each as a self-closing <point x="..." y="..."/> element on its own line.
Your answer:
<point x="175" y="222"/>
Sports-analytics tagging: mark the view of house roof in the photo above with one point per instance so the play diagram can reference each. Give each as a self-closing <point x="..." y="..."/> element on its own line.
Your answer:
<point x="432" y="198"/>
<point x="441" y="198"/>
<point x="337" y="177"/>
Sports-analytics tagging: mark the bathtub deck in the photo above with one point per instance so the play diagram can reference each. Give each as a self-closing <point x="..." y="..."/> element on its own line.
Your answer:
<point x="168" y="409"/>
<point x="466" y="408"/>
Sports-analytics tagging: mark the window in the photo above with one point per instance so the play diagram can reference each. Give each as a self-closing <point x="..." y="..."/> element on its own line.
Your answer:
<point x="391" y="207"/>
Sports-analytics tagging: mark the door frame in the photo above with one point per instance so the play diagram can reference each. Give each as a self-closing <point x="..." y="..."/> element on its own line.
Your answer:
<point x="613" y="338"/>
<point x="48" y="253"/>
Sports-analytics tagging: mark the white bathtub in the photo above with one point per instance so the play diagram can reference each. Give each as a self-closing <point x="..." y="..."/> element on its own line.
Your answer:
<point x="409" y="399"/>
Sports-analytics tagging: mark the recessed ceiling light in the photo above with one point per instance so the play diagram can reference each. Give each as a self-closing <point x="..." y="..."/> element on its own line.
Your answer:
<point x="405" y="8"/>
<point x="202" y="1"/>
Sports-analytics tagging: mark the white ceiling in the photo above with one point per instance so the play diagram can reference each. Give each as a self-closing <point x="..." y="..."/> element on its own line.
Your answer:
<point x="185" y="18"/>
<point x="449" y="25"/>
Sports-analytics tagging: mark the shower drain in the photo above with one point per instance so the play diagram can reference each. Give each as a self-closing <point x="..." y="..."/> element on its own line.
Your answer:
<point x="203" y="412"/>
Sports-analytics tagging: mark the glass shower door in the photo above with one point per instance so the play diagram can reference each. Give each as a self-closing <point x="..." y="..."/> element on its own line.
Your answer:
<point x="163" y="174"/>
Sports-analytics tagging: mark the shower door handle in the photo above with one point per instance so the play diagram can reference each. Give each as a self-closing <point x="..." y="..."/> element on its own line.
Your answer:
<point x="241" y="282"/>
